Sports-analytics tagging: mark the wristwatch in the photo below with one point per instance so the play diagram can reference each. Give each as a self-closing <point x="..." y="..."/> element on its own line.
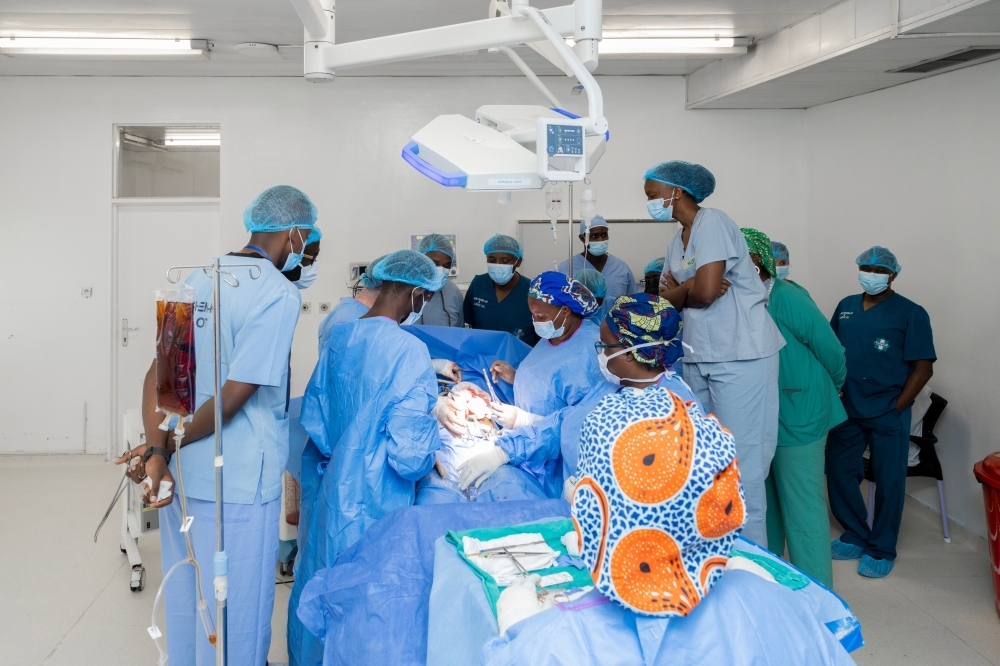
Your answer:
<point x="154" y="451"/>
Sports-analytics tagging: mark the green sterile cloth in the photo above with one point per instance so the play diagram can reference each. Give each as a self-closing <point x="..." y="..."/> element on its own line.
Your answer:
<point x="783" y="574"/>
<point x="551" y="531"/>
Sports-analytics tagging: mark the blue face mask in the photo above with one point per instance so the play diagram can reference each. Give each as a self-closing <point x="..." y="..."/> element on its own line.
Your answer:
<point x="500" y="273"/>
<point x="294" y="258"/>
<point x="659" y="212"/>
<point x="782" y="272"/>
<point x="599" y="248"/>
<point x="547" y="329"/>
<point x="873" y="283"/>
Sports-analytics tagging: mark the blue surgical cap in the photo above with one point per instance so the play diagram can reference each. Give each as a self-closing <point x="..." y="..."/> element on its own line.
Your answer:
<point x="436" y="243"/>
<point x="779" y="251"/>
<point x="655" y="266"/>
<point x="314" y="236"/>
<point x="879" y="256"/>
<point x="592" y="280"/>
<point x="279" y="208"/>
<point x="505" y="244"/>
<point x="368" y="279"/>
<point x="597" y="221"/>
<point x="694" y="179"/>
<point x="410" y="267"/>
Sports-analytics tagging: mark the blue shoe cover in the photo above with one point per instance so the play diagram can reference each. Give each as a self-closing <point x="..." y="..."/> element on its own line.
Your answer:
<point x="869" y="567"/>
<point x="845" y="551"/>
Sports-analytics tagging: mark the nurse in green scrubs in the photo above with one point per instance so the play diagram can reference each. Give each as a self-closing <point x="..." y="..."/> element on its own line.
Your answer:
<point x="498" y="299"/>
<point x="811" y="370"/>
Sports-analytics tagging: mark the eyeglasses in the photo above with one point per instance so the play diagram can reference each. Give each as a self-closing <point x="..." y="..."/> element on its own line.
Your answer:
<point x="600" y="346"/>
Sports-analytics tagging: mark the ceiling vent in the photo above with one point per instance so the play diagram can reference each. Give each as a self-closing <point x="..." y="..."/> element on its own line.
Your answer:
<point x="957" y="59"/>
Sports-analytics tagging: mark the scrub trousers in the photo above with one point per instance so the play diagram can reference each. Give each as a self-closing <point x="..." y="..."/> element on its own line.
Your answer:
<point x="796" y="509"/>
<point x="744" y="397"/>
<point x="251" y="533"/>
<point x="888" y="439"/>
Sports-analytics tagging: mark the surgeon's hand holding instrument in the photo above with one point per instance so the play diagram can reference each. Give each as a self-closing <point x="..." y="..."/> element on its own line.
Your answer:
<point x="503" y="370"/>
<point x="447" y="368"/>
<point x="511" y="417"/>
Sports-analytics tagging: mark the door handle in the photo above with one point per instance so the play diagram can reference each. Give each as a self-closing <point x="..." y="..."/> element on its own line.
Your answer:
<point x="125" y="330"/>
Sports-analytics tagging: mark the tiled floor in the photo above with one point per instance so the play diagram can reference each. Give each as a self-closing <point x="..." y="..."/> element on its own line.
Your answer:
<point x="65" y="599"/>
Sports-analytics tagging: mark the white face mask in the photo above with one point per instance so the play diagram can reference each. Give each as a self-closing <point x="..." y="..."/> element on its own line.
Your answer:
<point x="602" y="361"/>
<point x="547" y="329"/>
<point x="414" y="316"/>
<point x="307" y="276"/>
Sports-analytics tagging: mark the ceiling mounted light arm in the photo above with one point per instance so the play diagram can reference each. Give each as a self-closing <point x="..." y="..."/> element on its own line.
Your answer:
<point x="313" y="17"/>
<point x="596" y="122"/>
<point x="526" y="70"/>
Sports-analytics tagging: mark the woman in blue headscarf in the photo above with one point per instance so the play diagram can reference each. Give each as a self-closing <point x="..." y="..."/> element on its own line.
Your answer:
<point x="732" y="344"/>
<point x="560" y="372"/>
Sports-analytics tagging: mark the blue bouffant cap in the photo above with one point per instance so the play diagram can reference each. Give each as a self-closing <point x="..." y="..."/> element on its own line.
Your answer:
<point x="694" y="179"/>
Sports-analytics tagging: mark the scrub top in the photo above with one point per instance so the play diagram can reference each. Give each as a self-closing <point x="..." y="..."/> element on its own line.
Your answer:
<point x="736" y="327"/>
<point x="445" y="309"/>
<point x="511" y="315"/>
<point x="348" y="309"/>
<point x="881" y="343"/>
<point x="616" y="273"/>
<point x="258" y="320"/>
<point x="552" y="376"/>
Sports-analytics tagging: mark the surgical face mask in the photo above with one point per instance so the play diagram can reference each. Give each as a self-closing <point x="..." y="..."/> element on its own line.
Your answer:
<point x="443" y="272"/>
<point x="782" y="272"/>
<point x="602" y="361"/>
<point x="294" y="258"/>
<point x="414" y="316"/>
<point x="307" y="276"/>
<point x="500" y="273"/>
<point x="873" y="283"/>
<point x="599" y="248"/>
<point x="659" y="212"/>
<point x="547" y="329"/>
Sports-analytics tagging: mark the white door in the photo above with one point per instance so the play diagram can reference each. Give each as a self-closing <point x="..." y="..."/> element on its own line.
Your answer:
<point x="151" y="239"/>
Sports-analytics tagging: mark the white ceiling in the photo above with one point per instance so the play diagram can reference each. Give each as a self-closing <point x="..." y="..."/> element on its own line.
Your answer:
<point x="228" y="22"/>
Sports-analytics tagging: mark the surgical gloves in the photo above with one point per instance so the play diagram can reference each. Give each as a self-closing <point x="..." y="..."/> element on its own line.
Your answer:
<point x="446" y="368"/>
<point x="510" y="417"/>
<point x="481" y="467"/>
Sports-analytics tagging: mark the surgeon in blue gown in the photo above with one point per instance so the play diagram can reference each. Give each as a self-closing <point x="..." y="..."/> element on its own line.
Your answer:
<point x="560" y="372"/>
<point x="351" y="308"/>
<point x="368" y="410"/>
<point x="665" y="590"/>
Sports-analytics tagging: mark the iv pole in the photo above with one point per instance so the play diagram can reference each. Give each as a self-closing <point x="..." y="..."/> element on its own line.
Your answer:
<point x="220" y="560"/>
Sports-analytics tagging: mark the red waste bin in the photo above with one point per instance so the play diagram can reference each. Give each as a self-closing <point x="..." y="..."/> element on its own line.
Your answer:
<point x="987" y="471"/>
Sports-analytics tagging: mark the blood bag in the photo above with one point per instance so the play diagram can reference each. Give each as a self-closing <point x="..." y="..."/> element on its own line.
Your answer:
<point x="175" y="360"/>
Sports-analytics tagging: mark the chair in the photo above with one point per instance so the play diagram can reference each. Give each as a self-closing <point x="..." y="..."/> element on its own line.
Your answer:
<point x="929" y="465"/>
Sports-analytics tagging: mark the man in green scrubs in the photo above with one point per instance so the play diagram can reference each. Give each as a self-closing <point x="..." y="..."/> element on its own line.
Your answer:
<point x="811" y="370"/>
<point x="498" y="299"/>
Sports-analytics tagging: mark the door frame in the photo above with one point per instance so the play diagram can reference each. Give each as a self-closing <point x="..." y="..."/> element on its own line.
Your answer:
<point x="117" y="429"/>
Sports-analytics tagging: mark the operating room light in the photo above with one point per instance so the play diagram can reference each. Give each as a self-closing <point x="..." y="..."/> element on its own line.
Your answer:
<point x="659" y="42"/>
<point x="95" y="47"/>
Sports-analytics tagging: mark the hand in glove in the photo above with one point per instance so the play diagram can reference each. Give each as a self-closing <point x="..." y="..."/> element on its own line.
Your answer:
<point x="503" y="370"/>
<point x="481" y="467"/>
<point x="446" y="368"/>
<point x="450" y="416"/>
<point x="510" y="417"/>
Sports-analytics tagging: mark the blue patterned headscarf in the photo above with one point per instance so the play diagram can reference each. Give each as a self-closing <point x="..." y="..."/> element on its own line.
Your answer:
<point x="558" y="289"/>
<point x="640" y="318"/>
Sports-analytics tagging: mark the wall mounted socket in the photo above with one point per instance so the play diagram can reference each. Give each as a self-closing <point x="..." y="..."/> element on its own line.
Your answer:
<point x="87" y="292"/>
<point x="307" y="308"/>
<point x="324" y="307"/>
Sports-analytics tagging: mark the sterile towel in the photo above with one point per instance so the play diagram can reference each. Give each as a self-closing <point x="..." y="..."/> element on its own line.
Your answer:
<point x="529" y="548"/>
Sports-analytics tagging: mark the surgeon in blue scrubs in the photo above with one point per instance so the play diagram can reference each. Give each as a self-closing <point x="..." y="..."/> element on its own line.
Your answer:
<point x="258" y="320"/>
<point x="618" y="276"/>
<point x="351" y="308"/>
<point x="731" y="343"/>
<point x="498" y="299"/>
<point x="890" y="357"/>
<point x="368" y="410"/>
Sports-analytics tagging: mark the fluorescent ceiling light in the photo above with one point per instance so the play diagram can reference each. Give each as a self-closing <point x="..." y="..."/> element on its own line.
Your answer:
<point x="87" y="47"/>
<point x="193" y="141"/>
<point x="674" y="46"/>
<point x="665" y="33"/>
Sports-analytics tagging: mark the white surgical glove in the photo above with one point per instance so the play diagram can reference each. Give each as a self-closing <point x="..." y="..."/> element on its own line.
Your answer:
<point x="481" y="467"/>
<point x="510" y="417"/>
<point x="520" y="601"/>
<point x="569" y="485"/>
<point x="450" y="416"/>
<point x="447" y="368"/>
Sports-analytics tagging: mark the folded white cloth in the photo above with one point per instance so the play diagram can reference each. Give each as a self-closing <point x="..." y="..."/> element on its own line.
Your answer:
<point x="530" y="549"/>
<point x="572" y="543"/>
<point x="520" y="601"/>
<point x="744" y="564"/>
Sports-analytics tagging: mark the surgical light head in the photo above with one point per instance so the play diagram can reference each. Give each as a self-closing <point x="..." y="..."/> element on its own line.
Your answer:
<point x="279" y="208"/>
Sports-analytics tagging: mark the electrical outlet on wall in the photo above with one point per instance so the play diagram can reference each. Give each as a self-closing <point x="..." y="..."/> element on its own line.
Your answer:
<point x="307" y="308"/>
<point x="87" y="292"/>
<point x="324" y="307"/>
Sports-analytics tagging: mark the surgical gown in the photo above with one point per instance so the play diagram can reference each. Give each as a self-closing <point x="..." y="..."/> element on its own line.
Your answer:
<point x="367" y="409"/>
<point x="744" y="621"/>
<point x="348" y="309"/>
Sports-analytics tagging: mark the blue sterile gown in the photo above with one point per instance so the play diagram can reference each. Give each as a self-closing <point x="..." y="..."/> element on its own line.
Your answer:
<point x="367" y="409"/>
<point x="348" y="309"/>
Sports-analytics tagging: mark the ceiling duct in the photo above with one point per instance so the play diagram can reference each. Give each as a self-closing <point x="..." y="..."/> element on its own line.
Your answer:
<point x="961" y="58"/>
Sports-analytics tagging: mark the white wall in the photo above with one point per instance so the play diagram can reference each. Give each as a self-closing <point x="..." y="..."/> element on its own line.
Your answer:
<point x="338" y="142"/>
<point x="915" y="168"/>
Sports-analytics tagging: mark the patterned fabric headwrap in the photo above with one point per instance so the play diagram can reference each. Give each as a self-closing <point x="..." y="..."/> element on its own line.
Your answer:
<point x="641" y="318"/>
<point x="760" y="244"/>
<point x="558" y="289"/>
<point x="659" y="501"/>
